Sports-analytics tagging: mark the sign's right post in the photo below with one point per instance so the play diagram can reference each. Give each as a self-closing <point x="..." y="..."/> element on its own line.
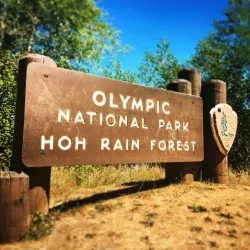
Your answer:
<point x="215" y="164"/>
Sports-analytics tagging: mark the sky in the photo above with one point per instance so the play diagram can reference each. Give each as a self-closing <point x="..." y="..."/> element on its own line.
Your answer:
<point x="144" y="22"/>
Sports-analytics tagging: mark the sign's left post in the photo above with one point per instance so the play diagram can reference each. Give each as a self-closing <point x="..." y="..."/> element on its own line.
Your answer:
<point x="39" y="177"/>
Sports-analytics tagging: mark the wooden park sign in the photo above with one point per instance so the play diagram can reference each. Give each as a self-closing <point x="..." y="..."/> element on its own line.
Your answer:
<point x="65" y="117"/>
<point x="73" y="118"/>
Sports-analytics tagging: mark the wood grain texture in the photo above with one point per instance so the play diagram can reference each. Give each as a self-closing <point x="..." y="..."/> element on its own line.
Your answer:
<point x="61" y="89"/>
<point x="215" y="163"/>
<point x="39" y="179"/>
<point x="14" y="205"/>
<point x="176" y="172"/>
<point x="194" y="76"/>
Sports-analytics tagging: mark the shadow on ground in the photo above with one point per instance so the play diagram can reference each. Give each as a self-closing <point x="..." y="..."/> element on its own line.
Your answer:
<point x="131" y="188"/>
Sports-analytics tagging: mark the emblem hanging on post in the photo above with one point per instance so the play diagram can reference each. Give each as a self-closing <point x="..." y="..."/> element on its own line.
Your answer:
<point x="224" y="126"/>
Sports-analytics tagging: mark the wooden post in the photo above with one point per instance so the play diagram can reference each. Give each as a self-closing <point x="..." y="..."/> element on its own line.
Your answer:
<point x="215" y="165"/>
<point x="194" y="76"/>
<point x="39" y="177"/>
<point x="14" y="205"/>
<point x="176" y="172"/>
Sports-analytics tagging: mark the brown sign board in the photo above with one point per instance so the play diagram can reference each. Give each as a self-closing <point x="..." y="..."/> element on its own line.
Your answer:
<point x="74" y="118"/>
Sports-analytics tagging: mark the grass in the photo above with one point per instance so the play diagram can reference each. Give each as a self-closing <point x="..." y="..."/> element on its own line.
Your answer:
<point x="196" y="229"/>
<point x="67" y="180"/>
<point x="197" y="209"/>
<point x="89" y="176"/>
<point x="41" y="225"/>
<point x="239" y="177"/>
<point x="216" y="209"/>
<point x="226" y="215"/>
<point x="219" y="232"/>
<point x="213" y="244"/>
<point x="94" y="176"/>
<point x="208" y="219"/>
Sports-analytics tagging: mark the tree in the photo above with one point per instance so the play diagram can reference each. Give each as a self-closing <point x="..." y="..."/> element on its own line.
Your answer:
<point x="224" y="55"/>
<point x="159" y="69"/>
<point x="72" y="32"/>
<point x="75" y="33"/>
<point x="156" y="69"/>
<point x="115" y="71"/>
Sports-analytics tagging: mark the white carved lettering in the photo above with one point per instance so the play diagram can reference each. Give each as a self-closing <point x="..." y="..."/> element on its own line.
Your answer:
<point x="124" y="101"/>
<point x="79" y="118"/>
<point x="80" y="142"/>
<point x="99" y="95"/>
<point x="60" y="143"/>
<point x="44" y="142"/>
<point x="105" y="144"/>
<point x="62" y="114"/>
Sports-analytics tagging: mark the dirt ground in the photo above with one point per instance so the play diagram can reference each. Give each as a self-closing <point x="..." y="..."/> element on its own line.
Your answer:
<point x="149" y="215"/>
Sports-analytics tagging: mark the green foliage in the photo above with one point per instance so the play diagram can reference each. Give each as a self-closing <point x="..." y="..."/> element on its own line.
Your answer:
<point x="224" y="55"/>
<point x="159" y="69"/>
<point x="41" y="225"/>
<point x="74" y="33"/>
<point x="83" y="172"/>
<point x="115" y="71"/>
<point x="198" y="209"/>
<point x="156" y="69"/>
<point x="235" y="30"/>
<point x="8" y="71"/>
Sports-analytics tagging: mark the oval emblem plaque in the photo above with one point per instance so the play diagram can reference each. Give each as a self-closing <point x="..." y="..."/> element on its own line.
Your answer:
<point x="224" y="126"/>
